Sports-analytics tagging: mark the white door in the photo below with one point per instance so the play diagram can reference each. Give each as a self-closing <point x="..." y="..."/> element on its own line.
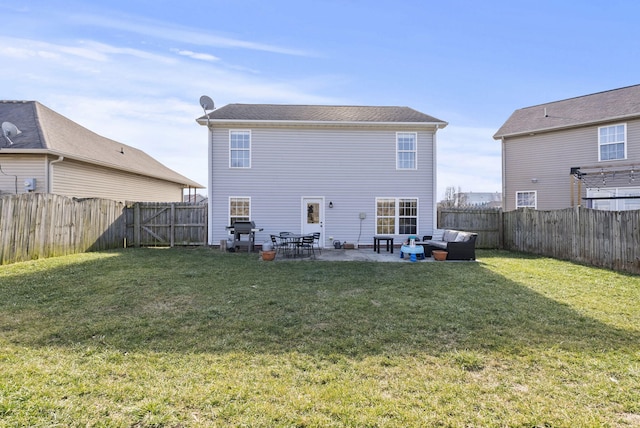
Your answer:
<point x="313" y="217"/>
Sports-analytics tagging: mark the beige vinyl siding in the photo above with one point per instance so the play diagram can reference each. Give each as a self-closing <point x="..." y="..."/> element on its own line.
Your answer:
<point x="348" y="167"/>
<point x="78" y="179"/>
<point x="17" y="168"/>
<point x="549" y="157"/>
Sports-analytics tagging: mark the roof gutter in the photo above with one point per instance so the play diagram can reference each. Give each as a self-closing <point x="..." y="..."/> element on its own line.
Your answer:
<point x="318" y="123"/>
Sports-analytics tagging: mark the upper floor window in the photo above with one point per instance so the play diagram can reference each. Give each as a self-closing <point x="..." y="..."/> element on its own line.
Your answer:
<point x="612" y="142"/>
<point x="406" y="150"/>
<point x="240" y="149"/>
<point x="526" y="199"/>
<point x="396" y="216"/>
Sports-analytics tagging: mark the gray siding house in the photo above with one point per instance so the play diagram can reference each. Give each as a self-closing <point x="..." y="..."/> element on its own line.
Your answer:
<point x="53" y="154"/>
<point x="579" y="151"/>
<point x="348" y="172"/>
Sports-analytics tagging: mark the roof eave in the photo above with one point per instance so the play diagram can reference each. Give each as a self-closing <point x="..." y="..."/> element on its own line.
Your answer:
<point x="318" y="123"/>
<point x="560" y="128"/>
<point x="186" y="183"/>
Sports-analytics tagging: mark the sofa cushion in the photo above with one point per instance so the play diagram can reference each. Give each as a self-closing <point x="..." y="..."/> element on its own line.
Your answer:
<point x="437" y="244"/>
<point x="462" y="237"/>
<point x="449" y="235"/>
<point x="437" y="235"/>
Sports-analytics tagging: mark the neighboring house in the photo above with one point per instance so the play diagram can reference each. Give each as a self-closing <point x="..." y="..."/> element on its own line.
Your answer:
<point x="478" y="199"/>
<point x="347" y="172"/>
<point x="196" y="199"/>
<point x="53" y="154"/>
<point x="580" y="151"/>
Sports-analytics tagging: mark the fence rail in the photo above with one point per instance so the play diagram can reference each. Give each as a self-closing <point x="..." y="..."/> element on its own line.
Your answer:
<point x="38" y="225"/>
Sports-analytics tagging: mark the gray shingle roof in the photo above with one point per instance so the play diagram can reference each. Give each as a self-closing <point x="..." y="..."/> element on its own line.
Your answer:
<point x="321" y="113"/>
<point x="616" y="104"/>
<point x="44" y="129"/>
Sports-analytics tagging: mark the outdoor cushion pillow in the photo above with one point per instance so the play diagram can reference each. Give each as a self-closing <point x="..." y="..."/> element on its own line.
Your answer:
<point x="437" y="235"/>
<point x="462" y="237"/>
<point x="449" y="235"/>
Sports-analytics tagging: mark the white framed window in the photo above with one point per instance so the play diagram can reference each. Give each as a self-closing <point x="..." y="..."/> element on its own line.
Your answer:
<point x="629" y="198"/>
<point x="612" y="142"/>
<point x="527" y="199"/>
<point x="406" y="150"/>
<point x="239" y="208"/>
<point x="396" y="216"/>
<point x="239" y="149"/>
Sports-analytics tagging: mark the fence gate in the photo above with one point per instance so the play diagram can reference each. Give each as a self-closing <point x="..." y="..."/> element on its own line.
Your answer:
<point x="156" y="224"/>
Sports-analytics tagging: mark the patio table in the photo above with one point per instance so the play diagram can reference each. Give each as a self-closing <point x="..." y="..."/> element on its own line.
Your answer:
<point x="388" y="240"/>
<point x="291" y="243"/>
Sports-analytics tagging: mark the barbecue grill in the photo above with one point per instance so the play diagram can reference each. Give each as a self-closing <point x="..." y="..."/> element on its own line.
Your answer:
<point x="246" y="229"/>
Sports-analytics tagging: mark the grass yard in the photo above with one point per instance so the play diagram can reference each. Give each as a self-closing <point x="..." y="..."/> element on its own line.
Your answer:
<point x="196" y="337"/>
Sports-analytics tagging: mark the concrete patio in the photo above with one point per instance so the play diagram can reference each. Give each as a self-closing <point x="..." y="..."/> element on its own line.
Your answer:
<point x="361" y="254"/>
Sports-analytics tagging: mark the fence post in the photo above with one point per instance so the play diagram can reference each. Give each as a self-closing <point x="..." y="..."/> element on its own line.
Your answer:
<point x="501" y="229"/>
<point x="172" y="226"/>
<point x="136" y="224"/>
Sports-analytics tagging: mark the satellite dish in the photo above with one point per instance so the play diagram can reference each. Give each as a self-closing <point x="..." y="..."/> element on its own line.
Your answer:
<point x="10" y="130"/>
<point x="206" y="103"/>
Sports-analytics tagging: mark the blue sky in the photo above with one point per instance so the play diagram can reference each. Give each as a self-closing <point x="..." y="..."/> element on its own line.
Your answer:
<point x="134" y="70"/>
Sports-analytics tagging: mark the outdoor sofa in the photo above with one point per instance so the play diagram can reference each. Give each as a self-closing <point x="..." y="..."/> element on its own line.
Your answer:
<point x="460" y="245"/>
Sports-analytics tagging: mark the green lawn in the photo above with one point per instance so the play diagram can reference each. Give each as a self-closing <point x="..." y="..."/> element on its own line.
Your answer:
<point x="196" y="337"/>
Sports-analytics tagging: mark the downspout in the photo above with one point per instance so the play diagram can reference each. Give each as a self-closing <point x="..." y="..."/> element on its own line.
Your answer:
<point x="210" y="183"/>
<point x="435" y="181"/>
<point x="504" y="181"/>
<point x="50" y="173"/>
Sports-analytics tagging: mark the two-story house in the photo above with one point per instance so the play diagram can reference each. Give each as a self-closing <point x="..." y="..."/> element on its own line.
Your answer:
<point x="579" y="151"/>
<point x="348" y="172"/>
<point x="44" y="152"/>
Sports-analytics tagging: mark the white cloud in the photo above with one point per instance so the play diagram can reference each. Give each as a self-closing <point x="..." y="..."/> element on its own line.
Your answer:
<point x="174" y="33"/>
<point x="195" y="55"/>
<point x="147" y="96"/>
<point x="140" y="98"/>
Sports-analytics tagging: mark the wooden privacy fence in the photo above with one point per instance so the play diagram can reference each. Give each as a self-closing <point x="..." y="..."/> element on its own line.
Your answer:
<point x="609" y="239"/>
<point x="39" y="225"/>
<point x="487" y="223"/>
<point x="166" y="224"/>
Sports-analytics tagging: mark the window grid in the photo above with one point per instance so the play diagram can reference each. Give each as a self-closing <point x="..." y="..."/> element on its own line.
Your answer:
<point x="239" y="209"/>
<point x="408" y="216"/>
<point x="612" y="142"/>
<point x="406" y="150"/>
<point x="526" y="199"/>
<point x="396" y="216"/>
<point x="386" y="216"/>
<point x="240" y="149"/>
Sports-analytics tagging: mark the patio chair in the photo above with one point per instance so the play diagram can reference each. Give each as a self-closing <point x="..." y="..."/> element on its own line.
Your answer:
<point x="316" y="241"/>
<point x="278" y="245"/>
<point x="306" y="244"/>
